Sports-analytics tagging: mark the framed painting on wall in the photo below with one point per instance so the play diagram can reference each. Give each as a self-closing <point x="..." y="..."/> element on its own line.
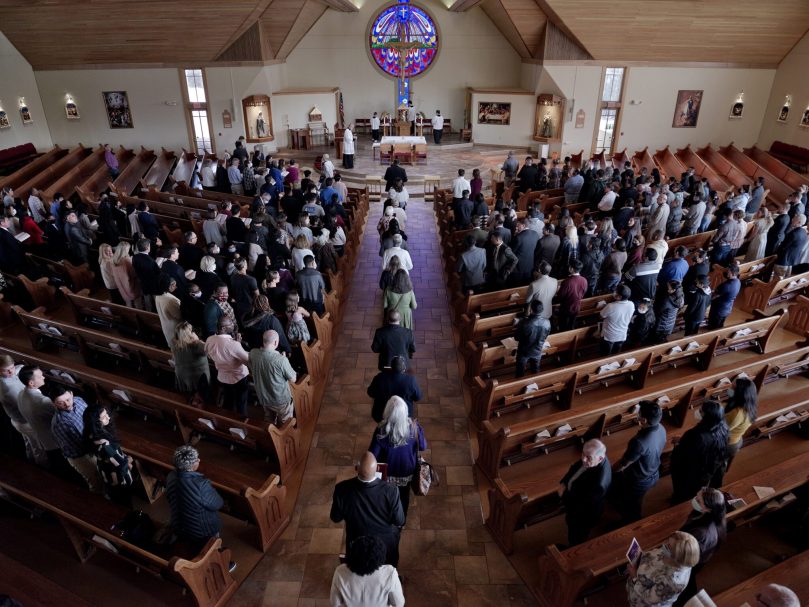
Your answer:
<point x="783" y="114"/>
<point x="118" y="112"/>
<point x="805" y="118"/>
<point x="737" y="109"/>
<point x="4" y="123"/>
<point x="25" y="113"/>
<point x="686" y="109"/>
<point x="71" y="111"/>
<point x="493" y="112"/>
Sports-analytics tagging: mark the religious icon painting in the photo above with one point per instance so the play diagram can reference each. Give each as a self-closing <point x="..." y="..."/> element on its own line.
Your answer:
<point x="4" y="123"/>
<point x="119" y="115"/>
<point x="784" y="113"/>
<point x="686" y="109"/>
<point x="25" y="113"/>
<point x="737" y="109"/>
<point x="71" y="111"/>
<point x="491" y="112"/>
<point x="805" y="118"/>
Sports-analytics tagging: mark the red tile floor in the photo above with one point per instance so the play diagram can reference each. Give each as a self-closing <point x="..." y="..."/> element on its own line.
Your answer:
<point x="447" y="555"/>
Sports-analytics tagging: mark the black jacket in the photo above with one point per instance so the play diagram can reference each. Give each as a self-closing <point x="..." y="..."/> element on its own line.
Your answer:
<point x="698" y="302"/>
<point x="463" y="213"/>
<point x="12" y="257"/>
<point x="390" y="341"/>
<point x="190" y="256"/>
<point x="256" y="326"/>
<point x="392" y="173"/>
<point x="696" y="458"/>
<point x="389" y="383"/>
<point x="708" y="534"/>
<point x="584" y="500"/>
<point x="194" y="504"/>
<point x="789" y="251"/>
<point x="641" y="326"/>
<point x="531" y="334"/>
<point x="776" y="233"/>
<point x="147" y="272"/>
<point x="369" y="509"/>
<point x="236" y="230"/>
<point x="524" y="246"/>
<point x="527" y="176"/>
<point x="148" y="225"/>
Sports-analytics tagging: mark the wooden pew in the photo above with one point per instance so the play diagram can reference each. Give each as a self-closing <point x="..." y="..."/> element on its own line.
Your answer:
<point x="85" y="516"/>
<point x="790" y="573"/>
<point x="690" y="158"/>
<point x="29" y="587"/>
<point x="762" y="295"/>
<point x="31" y="170"/>
<point x="185" y="167"/>
<point x="748" y="270"/>
<point x="107" y="315"/>
<point x="159" y="172"/>
<point x="564" y="576"/>
<point x="30" y="293"/>
<point x="183" y="189"/>
<point x="575" y="160"/>
<point x="130" y="178"/>
<point x="100" y="180"/>
<point x="64" y="272"/>
<point x="643" y="159"/>
<point x="618" y="159"/>
<point x="729" y="172"/>
<point x="777" y="168"/>
<point x="497" y="398"/>
<point x="46" y="177"/>
<point x="669" y="163"/>
<point x="600" y="160"/>
<point x="66" y="184"/>
<point x="778" y="189"/>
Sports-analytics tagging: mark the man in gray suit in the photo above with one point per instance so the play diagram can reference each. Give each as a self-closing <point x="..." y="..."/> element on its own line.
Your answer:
<point x="38" y="410"/>
<point x="547" y="246"/>
<point x="472" y="265"/>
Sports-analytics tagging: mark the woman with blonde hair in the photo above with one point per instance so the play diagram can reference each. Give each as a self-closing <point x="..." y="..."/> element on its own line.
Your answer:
<point x="105" y="263"/>
<point x="662" y="573"/>
<point x="191" y="368"/>
<point x="126" y="281"/>
<point x="400" y="297"/>
<point x="300" y="250"/>
<point x="397" y="442"/>
<point x="758" y="235"/>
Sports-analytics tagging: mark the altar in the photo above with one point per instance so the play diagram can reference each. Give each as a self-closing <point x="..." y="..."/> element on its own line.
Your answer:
<point x="408" y="139"/>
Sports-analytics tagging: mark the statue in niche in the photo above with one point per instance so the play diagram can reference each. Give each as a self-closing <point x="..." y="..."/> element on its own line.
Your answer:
<point x="261" y="126"/>
<point x="547" y="126"/>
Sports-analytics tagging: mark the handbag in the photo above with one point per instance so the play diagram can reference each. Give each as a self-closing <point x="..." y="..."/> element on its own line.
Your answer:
<point x="424" y="477"/>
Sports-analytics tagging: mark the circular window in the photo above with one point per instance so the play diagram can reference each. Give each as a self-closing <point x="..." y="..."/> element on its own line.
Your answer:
<point x="403" y="38"/>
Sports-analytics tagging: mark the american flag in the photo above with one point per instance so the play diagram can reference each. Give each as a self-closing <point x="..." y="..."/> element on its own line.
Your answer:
<point x="342" y="113"/>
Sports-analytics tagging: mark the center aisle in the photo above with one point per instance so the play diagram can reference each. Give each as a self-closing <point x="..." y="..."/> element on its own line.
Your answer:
<point x="447" y="555"/>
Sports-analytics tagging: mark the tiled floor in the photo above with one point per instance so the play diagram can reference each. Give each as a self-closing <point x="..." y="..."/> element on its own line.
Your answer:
<point x="447" y="556"/>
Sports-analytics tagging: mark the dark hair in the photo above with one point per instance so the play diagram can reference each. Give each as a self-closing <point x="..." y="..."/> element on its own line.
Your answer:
<point x="651" y="254"/>
<point x="470" y="241"/>
<point x="745" y="396"/>
<point x="401" y="282"/>
<point x="365" y="555"/>
<point x="711" y="412"/>
<point x="536" y="307"/>
<point x="164" y="282"/>
<point x="94" y="430"/>
<point x="398" y="364"/>
<point x="576" y="265"/>
<point x="26" y="373"/>
<point x="714" y="501"/>
<point x="143" y="245"/>
<point x="58" y="390"/>
<point x="307" y="259"/>
<point x="650" y="411"/>
<point x="624" y="292"/>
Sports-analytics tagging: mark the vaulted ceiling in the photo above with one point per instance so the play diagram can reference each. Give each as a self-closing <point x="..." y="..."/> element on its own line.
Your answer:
<point x="54" y="34"/>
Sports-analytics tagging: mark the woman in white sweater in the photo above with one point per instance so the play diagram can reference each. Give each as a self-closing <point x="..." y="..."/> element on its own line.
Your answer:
<point x="363" y="580"/>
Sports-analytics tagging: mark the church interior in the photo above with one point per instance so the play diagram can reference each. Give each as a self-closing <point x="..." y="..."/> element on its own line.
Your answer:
<point x="668" y="134"/>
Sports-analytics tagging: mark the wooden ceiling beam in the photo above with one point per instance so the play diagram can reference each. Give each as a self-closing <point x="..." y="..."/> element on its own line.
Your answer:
<point x="249" y="21"/>
<point x="344" y="6"/>
<point x="460" y="6"/>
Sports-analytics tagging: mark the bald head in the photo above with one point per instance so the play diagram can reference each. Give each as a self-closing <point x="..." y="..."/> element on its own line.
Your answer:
<point x="270" y="339"/>
<point x="367" y="470"/>
<point x="775" y="595"/>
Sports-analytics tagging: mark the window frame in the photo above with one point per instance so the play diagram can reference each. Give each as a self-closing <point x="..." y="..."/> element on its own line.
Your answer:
<point x="609" y="105"/>
<point x="191" y="106"/>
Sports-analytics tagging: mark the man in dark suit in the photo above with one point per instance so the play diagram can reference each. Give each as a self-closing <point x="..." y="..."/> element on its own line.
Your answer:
<point x="12" y="257"/>
<point x="147" y="272"/>
<point x="236" y="230"/>
<point x="523" y="245"/>
<point x="527" y="175"/>
<point x="584" y="489"/>
<point x="393" y="340"/>
<point x="500" y="261"/>
<point x="393" y="382"/>
<point x="463" y="212"/>
<point x="392" y="173"/>
<point x="148" y="223"/>
<point x="190" y="253"/>
<point x="790" y="249"/>
<point x="369" y="506"/>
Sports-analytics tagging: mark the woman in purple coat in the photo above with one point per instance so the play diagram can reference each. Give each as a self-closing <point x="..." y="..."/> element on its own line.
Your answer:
<point x="397" y="442"/>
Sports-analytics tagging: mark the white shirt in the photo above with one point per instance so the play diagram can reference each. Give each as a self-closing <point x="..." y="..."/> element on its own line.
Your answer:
<point x="208" y="176"/>
<point x="374" y="123"/>
<point x="438" y="123"/>
<point x="607" y="201"/>
<point x="616" y="317"/>
<point x="411" y="114"/>
<point x="402" y="197"/>
<point x="459" y="185"/>
<point x="381" y="588"/>
<point x="36" y="208"/>
<point x="348" y="142"/>
<point x="404" y="258"/>
<point x="328" y="169"/>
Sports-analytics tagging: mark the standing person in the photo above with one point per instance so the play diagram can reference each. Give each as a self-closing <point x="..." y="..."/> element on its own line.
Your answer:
<point x="460" y="185"/>
<point x="584" y="490"/>
<point x="471" y="265"/>
<point x="364" y="579"/>
<point x="392" y="340"/>
<point x="758" y="241"/>
<point x="543" y="288"/>
<point x="615" y="317"/>
<point x="573" y="187"/>
<point x="348" y="147"/>
<point x="438" y="127"/>
<point x="707" y="523"/>
<point x="740" y="413"/>
<point x="638" y="470"/>
<point x="570" y="294"/>
<point x="397" y="442"/>
<point x="510" y="167"/>
<point x="789" y="251"/>
<point x="168" y="308"/>
<point x="375" y="127"/>
<point x="697" y="300"/>
<point x="700" y="454"/>
<point x="527" y="175"/>
<point x="531" y="333"/>
<point x="191" y="368"/>
<point x="394" y="172"/>
<point x="10" y="389"/>
<point x="125" y="277"/>
<point x="111" y="161"/>
<point x="523" y="245"/>
<point x="401" y="297"/>
<point x="393" y="382"/>
<point x="235" y="178"/>
<point x="193" y="501"/>
<point x="662" y="573"/>
<point x="67" y="427"/>
<point x="310" y="285"/>
<point x="147" y="272"/>
<point x="38" y="411"/>
<point x="723" y="298"/>
<point x="369" y="506"/>
<point x="229" y="358"/>
<point x="114" y="466"/>
<point x="500" y="261"/>
<point x="272" y="373"/>
<point x="642" y="323"/>
<point x="77" y="238"/>
<point x="411" y="116"/>
<point x="666" y="308"/>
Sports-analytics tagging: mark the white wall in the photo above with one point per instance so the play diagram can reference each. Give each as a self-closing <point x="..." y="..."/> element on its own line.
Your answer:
<point x="17" y="80"/>
<point x="654" y="91"/>
<point x="156" y="124"/>
<point x="520" y="130"/>
<point x="790" y="79"/>
<point x="292" y="112"/>
<point x="473" y="54"/>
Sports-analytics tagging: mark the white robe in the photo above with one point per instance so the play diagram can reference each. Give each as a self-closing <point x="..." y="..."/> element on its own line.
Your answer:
<point x="348" y="142"/>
